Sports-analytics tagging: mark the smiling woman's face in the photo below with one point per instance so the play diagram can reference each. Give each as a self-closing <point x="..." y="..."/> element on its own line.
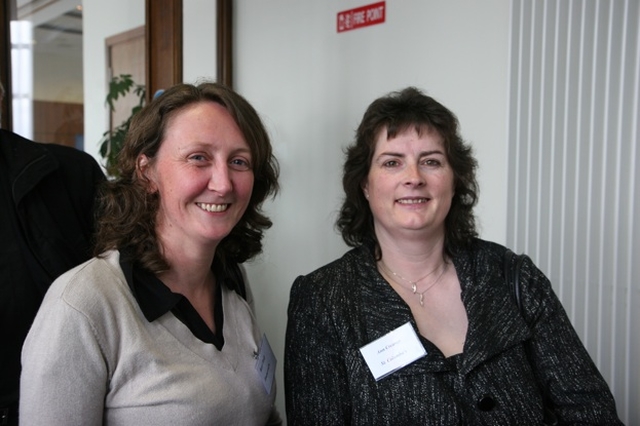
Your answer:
<point x="203" y="173"/>
<point x="410" y="185"/>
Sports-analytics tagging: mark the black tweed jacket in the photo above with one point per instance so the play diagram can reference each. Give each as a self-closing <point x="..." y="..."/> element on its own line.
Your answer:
<point x="347" y="304"/>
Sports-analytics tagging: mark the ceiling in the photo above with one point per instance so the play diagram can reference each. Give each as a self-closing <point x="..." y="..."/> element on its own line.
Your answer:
<point x="60" y="34"/>
<point x="51" y="31"/>
<point x="57" y="24"/>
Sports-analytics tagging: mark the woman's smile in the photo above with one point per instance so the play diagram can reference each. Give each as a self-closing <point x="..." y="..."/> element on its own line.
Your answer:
<point x="213" y="207"/>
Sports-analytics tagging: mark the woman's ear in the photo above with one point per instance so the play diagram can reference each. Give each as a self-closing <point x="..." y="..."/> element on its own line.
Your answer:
<point x="365" y="189"/>
<point x="143" y="169"/>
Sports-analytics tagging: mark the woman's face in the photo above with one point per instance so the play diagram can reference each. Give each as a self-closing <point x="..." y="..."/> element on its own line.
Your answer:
<point x="203" y="173"/>
<point x="410" y="185"/>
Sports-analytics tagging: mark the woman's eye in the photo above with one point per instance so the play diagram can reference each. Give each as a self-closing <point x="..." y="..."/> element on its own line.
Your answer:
<point x="432" y="162"/>
<point x="197" y="157"/>
<point x="240" y="164"/>
<point x="390" y="163"/>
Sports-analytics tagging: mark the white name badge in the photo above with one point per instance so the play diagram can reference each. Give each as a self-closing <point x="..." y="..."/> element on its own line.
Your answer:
<point x="266" y="364"/>
<point x="393" y="351"/>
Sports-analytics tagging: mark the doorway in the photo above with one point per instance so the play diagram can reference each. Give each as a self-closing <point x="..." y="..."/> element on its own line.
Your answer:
<point x="126" y="55"/>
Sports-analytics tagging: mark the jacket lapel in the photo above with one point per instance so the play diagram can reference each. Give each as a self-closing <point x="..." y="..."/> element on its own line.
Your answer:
<point x="495" y="323"/>
<point x="383" y="311"/>
<point x="383" y="308"/>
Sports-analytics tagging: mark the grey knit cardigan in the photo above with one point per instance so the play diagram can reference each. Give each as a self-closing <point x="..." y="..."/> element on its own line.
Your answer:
<point x="346" y="304"/>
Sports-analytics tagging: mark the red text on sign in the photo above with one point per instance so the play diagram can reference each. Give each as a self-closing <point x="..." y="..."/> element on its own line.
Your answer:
<point x="363" y="16"/>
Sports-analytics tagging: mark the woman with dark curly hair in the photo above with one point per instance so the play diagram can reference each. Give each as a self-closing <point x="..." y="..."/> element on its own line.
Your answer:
<point x="416" y="325"/>
<point x="158" y="328"/>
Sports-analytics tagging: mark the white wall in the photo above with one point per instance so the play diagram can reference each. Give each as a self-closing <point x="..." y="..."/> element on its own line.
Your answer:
<point x="312" y="85"/>
<point x="102" y="19"/>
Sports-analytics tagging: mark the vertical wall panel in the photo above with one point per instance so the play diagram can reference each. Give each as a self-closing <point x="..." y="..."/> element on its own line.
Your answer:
<point x="573" y="196"/>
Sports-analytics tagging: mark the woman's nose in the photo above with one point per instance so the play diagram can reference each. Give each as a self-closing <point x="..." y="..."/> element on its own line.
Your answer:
<point x="220" y="179"/>
<point x="413" y="176"/>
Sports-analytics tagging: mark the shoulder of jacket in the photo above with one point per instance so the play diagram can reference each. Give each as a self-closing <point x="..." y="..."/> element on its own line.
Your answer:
<point x="63" y="152"/>
<point x="74" y="159"/>
<point x="488" y="246"/>
<point x="20" y="152"/>
<point x="337" y="267"/>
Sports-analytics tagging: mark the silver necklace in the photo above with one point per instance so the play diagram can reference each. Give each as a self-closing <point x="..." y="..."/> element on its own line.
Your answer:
<point x="414" y="284"/>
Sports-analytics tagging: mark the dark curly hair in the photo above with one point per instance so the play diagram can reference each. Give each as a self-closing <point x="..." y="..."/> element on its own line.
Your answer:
<point x="127" y="213"/>
<point x="398" y="112"/>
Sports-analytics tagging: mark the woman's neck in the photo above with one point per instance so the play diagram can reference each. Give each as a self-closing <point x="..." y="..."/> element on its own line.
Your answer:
<point x="414" y="258"/>
<point x="189" y="269"/>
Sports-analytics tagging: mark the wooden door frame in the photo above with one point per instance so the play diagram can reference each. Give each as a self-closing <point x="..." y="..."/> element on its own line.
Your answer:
<point x="163" y="28"/>
<point x="122" y="37"/>
<point x="224" y="42"/>
<point x="164" y="43"/>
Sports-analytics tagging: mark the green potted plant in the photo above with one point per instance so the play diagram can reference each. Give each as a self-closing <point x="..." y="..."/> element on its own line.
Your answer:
<point x="112" y="140"/>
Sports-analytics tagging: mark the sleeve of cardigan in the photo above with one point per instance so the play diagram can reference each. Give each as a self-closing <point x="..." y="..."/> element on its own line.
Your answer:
<point x="315" y="375"/>
<point x="576" y="389"/>
<point x="64" y="376"/>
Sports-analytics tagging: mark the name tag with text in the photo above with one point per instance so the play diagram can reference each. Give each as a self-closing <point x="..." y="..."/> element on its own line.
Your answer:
<point x="393" y="351"/>
<point x="266" y="364"/>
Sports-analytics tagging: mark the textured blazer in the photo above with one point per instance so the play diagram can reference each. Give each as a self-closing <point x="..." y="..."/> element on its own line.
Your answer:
<point x="339" y="308"/>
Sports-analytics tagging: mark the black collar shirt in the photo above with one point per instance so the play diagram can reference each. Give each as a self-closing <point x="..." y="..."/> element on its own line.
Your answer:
<point x="156" y="299"/>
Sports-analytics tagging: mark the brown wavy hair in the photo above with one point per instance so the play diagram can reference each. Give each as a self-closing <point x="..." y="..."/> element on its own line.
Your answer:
<point x="127" y="212"/>
<point x="398" y="112"/>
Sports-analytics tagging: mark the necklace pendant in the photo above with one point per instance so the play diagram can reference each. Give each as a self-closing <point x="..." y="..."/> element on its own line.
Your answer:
<point x="414" y="287"/>
<point x="421" y="301"/>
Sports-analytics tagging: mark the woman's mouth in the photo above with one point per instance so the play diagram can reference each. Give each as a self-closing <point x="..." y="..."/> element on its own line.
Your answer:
<point x="213" y="207"/>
